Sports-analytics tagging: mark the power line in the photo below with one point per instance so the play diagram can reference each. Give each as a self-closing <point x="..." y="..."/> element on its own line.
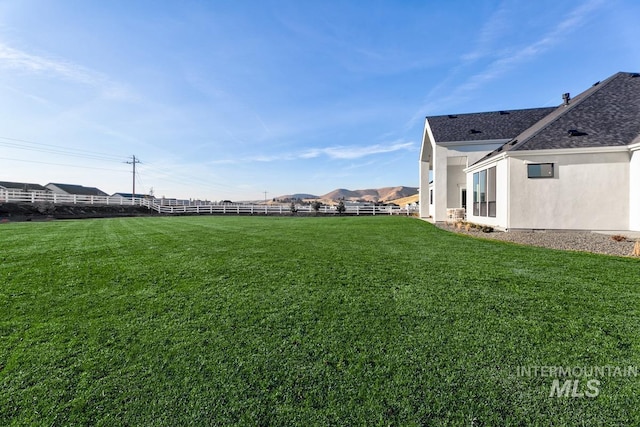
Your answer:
<point x="49" y="148"/>
<point x="163" y="174"/>
<point x="181" y="178"/>
<point x="56" y="146"/>
<point x="188" y="180"/>
<point x="59" y="164"/>
<point x="139" y="179"/>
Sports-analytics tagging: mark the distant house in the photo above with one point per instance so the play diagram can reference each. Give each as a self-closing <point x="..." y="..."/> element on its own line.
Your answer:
<point x="23" y="187"/>
<point x="78" y="190"/>
<point x="572" y="167"/>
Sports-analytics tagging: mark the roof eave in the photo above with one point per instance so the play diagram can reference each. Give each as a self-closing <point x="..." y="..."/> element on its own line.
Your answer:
<point x="474" y="142"/>
<point x="550" y="152"/>
<point x="564" y="151"/>
<point x="481" y="164"/>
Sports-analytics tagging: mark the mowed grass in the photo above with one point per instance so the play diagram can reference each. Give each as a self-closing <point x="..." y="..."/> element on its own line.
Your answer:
<point x="305" y="321"/>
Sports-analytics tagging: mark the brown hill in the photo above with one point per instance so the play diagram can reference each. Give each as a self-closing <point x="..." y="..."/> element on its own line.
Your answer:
<point x="371" y="195"/>
<point x="405" y="200"/>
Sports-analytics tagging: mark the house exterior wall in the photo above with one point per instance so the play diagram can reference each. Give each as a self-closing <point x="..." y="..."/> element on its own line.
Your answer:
<point x="439" y="212"/>
<point x="426" y="163"/>
<point x="473" y="150"/>
<point x="634" y="191"/>
<point x="430" y="198"/>
<point x="589" y="191"/>
<point x="424" y="190"/>
<point x="456" y="179"/>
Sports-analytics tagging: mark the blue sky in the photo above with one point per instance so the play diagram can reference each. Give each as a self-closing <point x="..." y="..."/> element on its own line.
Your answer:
<point x="229" y="99"/>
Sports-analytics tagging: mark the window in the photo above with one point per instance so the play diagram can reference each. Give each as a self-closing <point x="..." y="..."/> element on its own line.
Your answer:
<point x="540" y="170"/>
<point x="484" y="193"/>
<point x="491" y="192"/>
<point x="476" y="185"/>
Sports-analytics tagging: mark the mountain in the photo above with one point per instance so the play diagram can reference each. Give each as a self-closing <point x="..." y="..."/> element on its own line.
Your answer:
<point x="405" y="200"/>
<point x="385" y="194"/>
<point x="371" y="195"/>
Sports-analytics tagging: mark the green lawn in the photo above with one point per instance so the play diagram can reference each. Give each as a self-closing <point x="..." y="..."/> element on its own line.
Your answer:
<point x="305" y="321"/>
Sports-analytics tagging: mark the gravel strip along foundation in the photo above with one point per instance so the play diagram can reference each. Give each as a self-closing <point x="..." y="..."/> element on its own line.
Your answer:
<point x="584" y="241"/>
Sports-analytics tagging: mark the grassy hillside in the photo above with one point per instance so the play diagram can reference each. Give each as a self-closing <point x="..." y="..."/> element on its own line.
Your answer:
<point x="305" y="321"/>
<point x="406" y="200"/>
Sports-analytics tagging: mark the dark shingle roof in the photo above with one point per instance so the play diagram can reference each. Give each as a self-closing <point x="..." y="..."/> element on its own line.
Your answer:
<point x="22" y="186"/>
<point x="484" y="126"/>
<point x="80" y="190"/>
<point x="605" y="115"/>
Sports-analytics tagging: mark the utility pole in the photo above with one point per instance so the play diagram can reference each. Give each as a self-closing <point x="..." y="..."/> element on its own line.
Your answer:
<point x="133" y="162"/>
<point x="265" y="197"/>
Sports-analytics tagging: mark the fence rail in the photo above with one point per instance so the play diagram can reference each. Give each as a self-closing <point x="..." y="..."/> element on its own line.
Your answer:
<point x="9" y="196"/>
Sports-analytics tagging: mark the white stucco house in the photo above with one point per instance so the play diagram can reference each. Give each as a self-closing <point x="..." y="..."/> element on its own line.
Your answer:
<point x="571" y="167"/>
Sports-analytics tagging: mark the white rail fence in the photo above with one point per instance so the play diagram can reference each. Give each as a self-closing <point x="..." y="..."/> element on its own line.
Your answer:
<point x="8" y="196"/>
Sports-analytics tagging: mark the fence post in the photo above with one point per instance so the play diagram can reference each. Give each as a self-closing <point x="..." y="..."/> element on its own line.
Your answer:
<point x="33" y="197"/>
<point x="374" y="210"/>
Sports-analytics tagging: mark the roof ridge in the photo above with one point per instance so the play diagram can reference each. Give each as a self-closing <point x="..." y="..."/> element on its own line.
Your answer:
<point x="477" y="113"/>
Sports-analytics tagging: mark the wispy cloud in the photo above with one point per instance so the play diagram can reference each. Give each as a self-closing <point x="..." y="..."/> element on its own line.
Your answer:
<point x="17" y="59"/>
<point x="515" y="56"/>
<point x="336" y="152"/>
<point x="492" y="30"/>
<point x="356" y="152"/>
<point x="505" y="59"/>
<point x="11" y="58"/>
